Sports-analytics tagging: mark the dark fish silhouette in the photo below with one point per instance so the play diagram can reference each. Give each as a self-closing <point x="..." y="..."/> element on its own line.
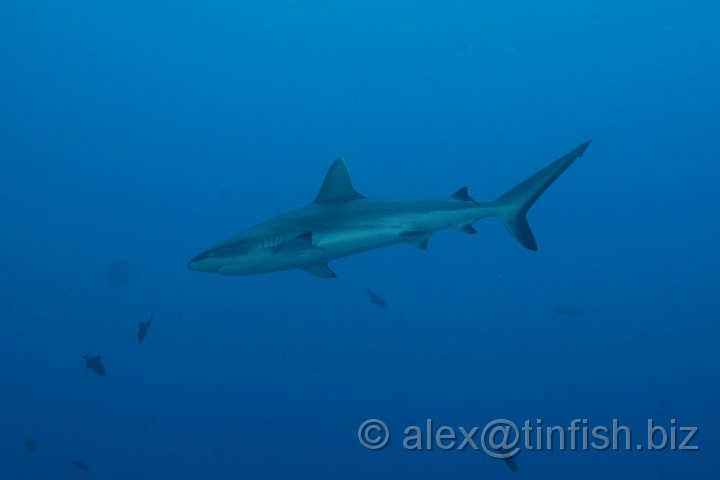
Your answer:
<point x="31" y="445"/>
<point x="143" y="328"/>
<point x="569" y="311"/>
<point x="377" y="299"/>
<point x="95" y="364"/>
<point x="80" y="465"/>
<point x="509" y="461"/>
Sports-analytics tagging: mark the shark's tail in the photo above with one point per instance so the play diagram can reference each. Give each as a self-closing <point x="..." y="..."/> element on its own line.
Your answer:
<point x="513" y="205"/>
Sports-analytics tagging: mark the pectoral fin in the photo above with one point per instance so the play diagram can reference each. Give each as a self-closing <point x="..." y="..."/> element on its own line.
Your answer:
<point x="320" y="270"/>
<point x="301" y="242"/>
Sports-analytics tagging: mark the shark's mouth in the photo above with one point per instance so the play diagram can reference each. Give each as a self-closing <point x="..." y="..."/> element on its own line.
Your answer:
<point x="231" y="269"/>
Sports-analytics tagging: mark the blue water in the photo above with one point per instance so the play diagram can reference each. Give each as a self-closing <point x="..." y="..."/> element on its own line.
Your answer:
<point x="134" y="135"/>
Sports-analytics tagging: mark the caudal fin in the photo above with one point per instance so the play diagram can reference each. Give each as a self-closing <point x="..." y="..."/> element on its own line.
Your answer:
<point x="514" y="204"/>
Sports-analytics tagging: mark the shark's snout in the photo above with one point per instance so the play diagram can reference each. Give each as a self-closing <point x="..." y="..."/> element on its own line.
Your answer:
<point x="205" y="262"/>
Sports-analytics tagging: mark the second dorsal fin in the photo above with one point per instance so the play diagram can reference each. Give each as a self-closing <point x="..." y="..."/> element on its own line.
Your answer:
<point x="463" y="195"/>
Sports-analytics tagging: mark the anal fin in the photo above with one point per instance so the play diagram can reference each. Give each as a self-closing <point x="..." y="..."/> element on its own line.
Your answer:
<point x="467" y="228"/>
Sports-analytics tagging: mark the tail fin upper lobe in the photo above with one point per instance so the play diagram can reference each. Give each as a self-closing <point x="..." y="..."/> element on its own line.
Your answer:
<point x="514" y="204"/>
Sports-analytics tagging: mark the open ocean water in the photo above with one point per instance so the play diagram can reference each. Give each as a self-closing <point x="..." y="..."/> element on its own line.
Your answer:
<point x="134" y="135"/>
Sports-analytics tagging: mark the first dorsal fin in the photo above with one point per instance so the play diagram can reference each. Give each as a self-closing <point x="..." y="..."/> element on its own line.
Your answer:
<point x="336" y="187"/>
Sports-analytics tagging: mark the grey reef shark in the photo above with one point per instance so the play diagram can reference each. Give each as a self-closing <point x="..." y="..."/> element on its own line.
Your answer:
<point x="342" y="222"/>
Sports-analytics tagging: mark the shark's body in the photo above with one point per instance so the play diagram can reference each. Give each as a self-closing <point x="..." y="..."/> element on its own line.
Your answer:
<point x="342" y="222"/>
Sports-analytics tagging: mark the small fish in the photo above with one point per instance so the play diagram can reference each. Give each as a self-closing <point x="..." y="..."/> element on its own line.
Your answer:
<point x="95" y="364"/>
<point x="377" y="299"/>
<point x="143" y="328"/>
<point x="569" y="311"/>
<point x="31" y="445"/>
<point x="80" y="465"/>
<point x="509" y="461"/>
